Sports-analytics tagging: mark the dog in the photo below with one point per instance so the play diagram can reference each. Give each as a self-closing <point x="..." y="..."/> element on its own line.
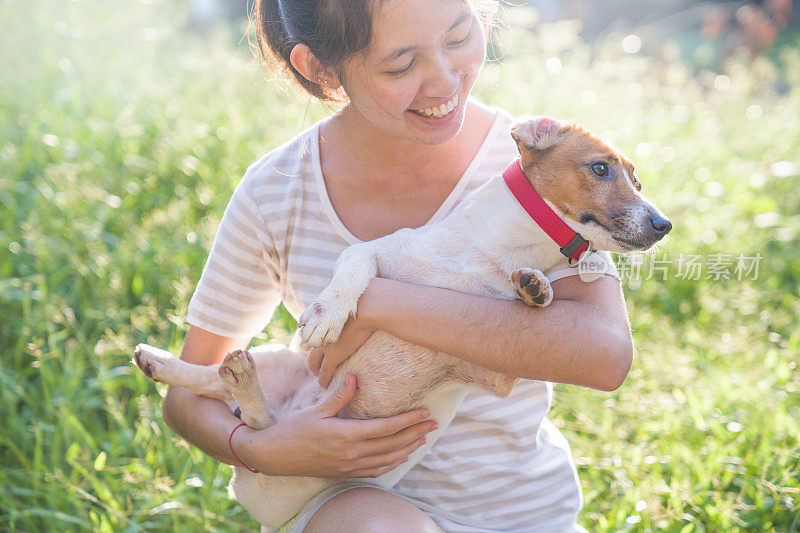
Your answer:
<point x="489" y="246"/>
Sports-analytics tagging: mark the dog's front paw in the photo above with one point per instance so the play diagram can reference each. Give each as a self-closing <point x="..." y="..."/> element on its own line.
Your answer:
<point x="154" y="362"/>
<point x="320" y="325"/>
<point x="237" y="369"/>
<point x="532" y="287"/>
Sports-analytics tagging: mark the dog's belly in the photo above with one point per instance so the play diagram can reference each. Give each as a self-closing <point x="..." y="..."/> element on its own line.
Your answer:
<point x="395" y="376"/>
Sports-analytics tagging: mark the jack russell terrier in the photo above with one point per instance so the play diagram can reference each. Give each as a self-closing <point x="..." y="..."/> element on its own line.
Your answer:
<point x="489" y="245"/>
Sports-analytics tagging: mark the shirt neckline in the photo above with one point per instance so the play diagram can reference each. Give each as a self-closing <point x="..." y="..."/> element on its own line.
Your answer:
<point x="444" y="208"/>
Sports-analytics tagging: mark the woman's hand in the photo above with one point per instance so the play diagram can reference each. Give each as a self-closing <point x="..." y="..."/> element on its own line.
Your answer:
<point x="315" y="442"/>
<point x="323" y="361"/>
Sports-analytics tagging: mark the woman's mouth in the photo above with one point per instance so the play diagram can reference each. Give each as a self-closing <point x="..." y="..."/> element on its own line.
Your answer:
<point x="439" y="111"/>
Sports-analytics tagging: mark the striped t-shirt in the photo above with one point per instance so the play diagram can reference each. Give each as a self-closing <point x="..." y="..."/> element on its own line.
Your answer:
<point x="501" y="465"/>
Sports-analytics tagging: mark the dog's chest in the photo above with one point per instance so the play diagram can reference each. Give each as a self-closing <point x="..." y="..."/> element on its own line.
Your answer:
<point x="462" y="270"/>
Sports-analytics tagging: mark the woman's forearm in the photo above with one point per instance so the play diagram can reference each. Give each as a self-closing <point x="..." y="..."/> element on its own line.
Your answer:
<point x="311" y="442"/>
<point x="207" y="423"/>
<point x="582" y="337"/>
<point x="204" y="422"/>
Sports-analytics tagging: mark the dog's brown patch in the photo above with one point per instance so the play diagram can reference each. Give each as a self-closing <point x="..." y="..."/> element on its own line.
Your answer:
<point x="560" y="161"/>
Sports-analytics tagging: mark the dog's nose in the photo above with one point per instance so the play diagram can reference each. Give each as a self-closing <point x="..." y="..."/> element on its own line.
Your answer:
<point x="661" y="225"/>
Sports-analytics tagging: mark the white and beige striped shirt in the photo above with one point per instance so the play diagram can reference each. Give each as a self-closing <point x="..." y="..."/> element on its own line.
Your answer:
<point x="501" y="465"/>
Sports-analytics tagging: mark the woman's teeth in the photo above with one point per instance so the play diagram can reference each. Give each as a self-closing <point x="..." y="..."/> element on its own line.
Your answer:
<point x="439" y="111"/>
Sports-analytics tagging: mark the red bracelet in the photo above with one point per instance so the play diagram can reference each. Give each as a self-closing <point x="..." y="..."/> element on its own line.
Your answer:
<point x="230" y="445"/>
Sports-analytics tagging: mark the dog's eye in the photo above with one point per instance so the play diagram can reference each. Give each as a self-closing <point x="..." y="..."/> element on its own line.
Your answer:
<point x="600" y="170"/>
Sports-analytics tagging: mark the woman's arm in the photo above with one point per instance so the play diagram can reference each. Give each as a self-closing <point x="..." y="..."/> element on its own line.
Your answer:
<point x="311" y="442"/>
<point x="202" y="421"/>
<point x="583" y="337"/>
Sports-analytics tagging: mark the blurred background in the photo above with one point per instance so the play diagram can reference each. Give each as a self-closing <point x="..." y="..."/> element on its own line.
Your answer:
<point x="125" y="126"/>
<point x="707" y="31"/>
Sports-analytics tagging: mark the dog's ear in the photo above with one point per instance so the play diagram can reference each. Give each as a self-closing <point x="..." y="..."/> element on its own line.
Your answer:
<point x="631" y="171"/>
<point x="537" y="134"/>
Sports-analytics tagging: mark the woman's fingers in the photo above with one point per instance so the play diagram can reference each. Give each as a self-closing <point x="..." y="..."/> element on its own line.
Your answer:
<point x="315" y="357"/>
<point x="383" y="427"/>
<point x="397" y="441"/>
<point x="388" y="446"/>
<point x="350" y="339"/>
<point x="338" y="400"/>
<point x="333" y="357"/>
<point x="390" y="455"/>
<point x="374" y="465"/>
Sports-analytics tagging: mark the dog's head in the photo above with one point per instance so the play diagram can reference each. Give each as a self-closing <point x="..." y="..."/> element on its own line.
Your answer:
<point x="591" y="183"/>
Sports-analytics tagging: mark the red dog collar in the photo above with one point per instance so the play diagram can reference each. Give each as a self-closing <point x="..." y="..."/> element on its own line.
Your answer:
<point x="573" y="246"/>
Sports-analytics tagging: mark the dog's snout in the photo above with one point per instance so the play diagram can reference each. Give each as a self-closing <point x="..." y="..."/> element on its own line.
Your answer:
<point x="660" y="224"/>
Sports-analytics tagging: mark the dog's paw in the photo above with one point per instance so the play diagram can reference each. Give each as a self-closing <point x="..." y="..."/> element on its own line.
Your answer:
<point x="532" y="287"/>
<point x="237" y="369"/>
<point x="154" y="362"/>
<point x="320" y="325"/>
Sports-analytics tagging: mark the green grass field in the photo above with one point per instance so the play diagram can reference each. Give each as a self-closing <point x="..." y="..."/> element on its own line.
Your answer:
<point x="122" y="135"/>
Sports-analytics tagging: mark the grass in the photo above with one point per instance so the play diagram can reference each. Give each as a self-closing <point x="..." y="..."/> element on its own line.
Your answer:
<point x="122" y="135"/>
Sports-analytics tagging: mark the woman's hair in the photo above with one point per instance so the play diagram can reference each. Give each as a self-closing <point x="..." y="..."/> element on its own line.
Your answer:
<point x="333" y="30"/>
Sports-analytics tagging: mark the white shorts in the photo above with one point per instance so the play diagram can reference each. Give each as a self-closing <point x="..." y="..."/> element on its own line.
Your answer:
<point x="301" y="519"/>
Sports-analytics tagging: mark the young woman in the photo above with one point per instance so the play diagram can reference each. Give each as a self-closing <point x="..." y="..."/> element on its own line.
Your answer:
<point x="405" y="148"/>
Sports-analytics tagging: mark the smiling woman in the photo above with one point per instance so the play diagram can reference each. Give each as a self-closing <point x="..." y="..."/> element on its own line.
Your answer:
<point x="404" y="150"/>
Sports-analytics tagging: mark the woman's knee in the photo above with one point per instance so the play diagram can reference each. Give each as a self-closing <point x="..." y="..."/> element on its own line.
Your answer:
<point x="369" y="510"/>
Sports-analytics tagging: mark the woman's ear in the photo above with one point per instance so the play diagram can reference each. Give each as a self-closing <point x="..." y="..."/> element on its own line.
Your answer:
<point x="304" y="61"/>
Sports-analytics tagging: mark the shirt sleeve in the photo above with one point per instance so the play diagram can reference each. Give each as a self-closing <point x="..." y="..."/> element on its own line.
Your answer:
<point x="240" y="285"/>
<point x="591" y="268"/>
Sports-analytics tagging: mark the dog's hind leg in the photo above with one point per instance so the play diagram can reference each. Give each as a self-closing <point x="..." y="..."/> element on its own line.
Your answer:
<point x="161" y="365"/>
<point x="238" y="371"/>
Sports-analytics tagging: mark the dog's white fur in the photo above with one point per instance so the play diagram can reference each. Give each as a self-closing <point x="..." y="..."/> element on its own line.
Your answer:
<point x="482" y="248"/>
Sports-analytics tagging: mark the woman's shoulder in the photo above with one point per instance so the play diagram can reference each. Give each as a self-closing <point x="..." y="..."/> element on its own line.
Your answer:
<point x="283" y="177"/>
<point x="290" y="162"/>
<point x="498" y="148"/>
<point x="497" y="116"/>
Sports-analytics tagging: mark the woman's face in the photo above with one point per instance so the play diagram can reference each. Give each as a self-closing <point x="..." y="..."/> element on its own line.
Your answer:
<point x="414" y="79"/>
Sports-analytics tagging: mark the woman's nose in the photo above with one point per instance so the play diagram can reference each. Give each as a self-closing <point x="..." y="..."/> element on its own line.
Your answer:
<point x="442" y="77"/>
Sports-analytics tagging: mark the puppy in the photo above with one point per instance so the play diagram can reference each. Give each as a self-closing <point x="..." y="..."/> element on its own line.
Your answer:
<point x="488" y="246"/>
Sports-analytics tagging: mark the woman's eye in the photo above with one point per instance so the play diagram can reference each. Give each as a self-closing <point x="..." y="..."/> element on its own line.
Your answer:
<point x="459" y="42"/>
<point x="600" y="169"/>
<point x="401" y="71"/>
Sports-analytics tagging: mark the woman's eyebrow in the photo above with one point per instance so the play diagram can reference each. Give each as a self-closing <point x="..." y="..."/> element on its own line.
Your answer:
<point x="400" y="51"/>
<point x="397" y="53"/>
